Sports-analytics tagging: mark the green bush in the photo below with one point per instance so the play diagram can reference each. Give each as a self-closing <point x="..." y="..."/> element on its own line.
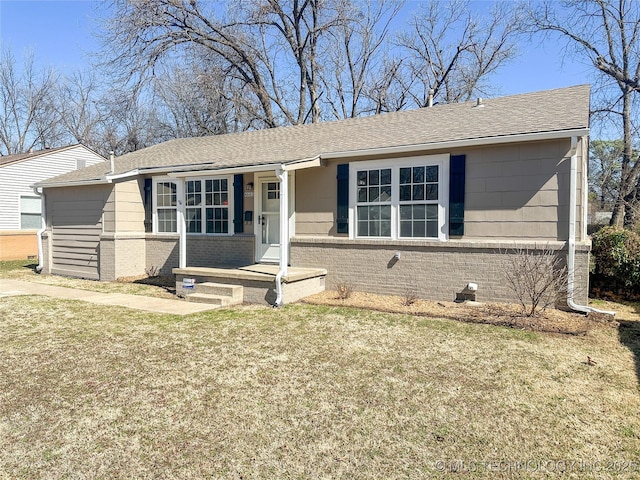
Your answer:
<point x="617" y="259"/>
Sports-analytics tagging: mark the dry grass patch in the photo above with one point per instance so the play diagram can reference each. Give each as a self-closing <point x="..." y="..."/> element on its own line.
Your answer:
<point x="161" y="286"/>
<point x="300" y="392"/>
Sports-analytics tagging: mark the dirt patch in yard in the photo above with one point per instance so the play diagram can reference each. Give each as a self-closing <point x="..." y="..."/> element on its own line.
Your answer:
<point x="502" y="314"/>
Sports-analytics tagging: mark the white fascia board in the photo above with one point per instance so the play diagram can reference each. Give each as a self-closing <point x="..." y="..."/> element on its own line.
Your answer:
<point x="118" y="176"/>
<point x="470" y="142"/>
<point x="306" y="163"/>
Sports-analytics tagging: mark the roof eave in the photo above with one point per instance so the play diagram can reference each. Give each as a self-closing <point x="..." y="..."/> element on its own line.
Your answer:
<point x="74" y="183"/>
<point x="469" y="142"/>
<point x="193" y="170"/>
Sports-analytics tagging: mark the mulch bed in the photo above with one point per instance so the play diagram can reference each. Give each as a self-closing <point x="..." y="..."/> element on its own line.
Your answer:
<point x="502" y="314"/>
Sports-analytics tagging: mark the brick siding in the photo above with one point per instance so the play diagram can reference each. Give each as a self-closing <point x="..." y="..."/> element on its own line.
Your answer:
<point x="434" y="271"/>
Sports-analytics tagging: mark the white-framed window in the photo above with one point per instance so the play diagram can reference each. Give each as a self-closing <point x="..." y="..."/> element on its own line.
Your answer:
<point x="405" y="198"/>
<point x="209" y="205"/>
<point x="30" y="211"/>
<point x="373" y="202"/>
<point x="165" y="205"/>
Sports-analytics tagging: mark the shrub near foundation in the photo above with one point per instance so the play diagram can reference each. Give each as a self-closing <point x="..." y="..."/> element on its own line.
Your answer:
<point x="617" y="263"/>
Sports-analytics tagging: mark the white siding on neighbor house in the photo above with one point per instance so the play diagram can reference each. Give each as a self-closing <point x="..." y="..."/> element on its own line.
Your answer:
<point x="16" y="178"/>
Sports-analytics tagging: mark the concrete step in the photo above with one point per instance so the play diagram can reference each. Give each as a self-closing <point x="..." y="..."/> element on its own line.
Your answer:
<point x="234" y="292"/>
<point x="220" y="300"/>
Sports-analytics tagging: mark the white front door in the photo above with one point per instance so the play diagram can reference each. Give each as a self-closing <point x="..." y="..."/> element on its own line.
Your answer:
<point x="268" y="220"/>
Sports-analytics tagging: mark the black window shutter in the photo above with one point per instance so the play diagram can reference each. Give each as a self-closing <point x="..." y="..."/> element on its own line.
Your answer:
<point x="238" y="203"/>
<point x="342" y="219"/>
<point x="148" y="203"/>
<point x="456" y="195"/>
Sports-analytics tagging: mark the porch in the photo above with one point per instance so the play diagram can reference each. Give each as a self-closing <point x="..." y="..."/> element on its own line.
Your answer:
<point x="249" y="284"/>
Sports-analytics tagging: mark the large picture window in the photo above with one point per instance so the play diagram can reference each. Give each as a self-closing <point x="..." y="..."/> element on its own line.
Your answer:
<point x="400" y="199"/>
<point x="207" y="206"/>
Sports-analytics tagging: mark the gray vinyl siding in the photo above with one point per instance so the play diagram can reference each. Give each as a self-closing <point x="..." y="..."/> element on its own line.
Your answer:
<point x="76" y="224"/>
<point x="16" y="178"/>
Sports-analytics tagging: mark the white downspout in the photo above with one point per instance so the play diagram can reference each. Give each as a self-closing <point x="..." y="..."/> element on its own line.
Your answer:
<point x="43" y="227"/>
<point x="573" y="182"/>
<point x="283" y="177"/>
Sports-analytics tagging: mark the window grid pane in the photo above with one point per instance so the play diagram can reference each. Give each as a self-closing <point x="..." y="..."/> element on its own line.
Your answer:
<point x="30" y="221"/>
<point x="166" y="204"/>
<point x="374" y="191"/>
<point x="418" y="198"/>
<point x="167" y="220"/>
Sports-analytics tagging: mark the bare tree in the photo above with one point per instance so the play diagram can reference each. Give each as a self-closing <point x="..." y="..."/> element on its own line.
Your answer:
<point x="607" y="33"/>
<point x="129" y="122"/>
<point x="28" y="115"/>
<point x="605" y="158"/>
<point x="453" y="50"/>
<point x="358" y="73"/>
<point x="78" y="107"/>
<point x="269" y="47"/>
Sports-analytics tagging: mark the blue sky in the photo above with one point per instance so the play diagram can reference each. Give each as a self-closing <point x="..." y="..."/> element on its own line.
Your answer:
<point x="60" y="34"/>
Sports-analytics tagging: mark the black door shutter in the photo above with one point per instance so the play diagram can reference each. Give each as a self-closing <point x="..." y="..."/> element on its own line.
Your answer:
<point x="342" y="219"/>
<point x="456" y="195"/>
<point x="148" y="200"/>
<point x="238" y="203"/>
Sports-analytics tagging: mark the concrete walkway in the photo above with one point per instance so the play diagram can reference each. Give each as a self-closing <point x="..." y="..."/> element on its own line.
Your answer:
<point x="10" y="287"/>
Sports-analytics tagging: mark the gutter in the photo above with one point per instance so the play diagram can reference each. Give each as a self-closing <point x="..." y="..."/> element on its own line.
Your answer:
<point x="43" y="227"/>
<point x="572" y="236"/>
<point x="283" y="176"/>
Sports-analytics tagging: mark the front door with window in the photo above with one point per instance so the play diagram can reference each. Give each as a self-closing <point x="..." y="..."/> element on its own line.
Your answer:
<point x="268" y="220"/>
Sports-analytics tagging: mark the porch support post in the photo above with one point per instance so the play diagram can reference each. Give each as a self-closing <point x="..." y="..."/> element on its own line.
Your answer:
<point x="283" y="176"/>
<point x="182" y="227"/>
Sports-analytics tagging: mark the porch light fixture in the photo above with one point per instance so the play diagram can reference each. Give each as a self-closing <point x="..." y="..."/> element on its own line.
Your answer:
<point x="249" y="186"/>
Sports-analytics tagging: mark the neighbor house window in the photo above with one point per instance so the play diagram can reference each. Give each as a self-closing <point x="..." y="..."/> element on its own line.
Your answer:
<point x="30" y="208"/>
<point x="405" y="198"/>
<point x="167" y="207"/>
<point x="207" y="204"/>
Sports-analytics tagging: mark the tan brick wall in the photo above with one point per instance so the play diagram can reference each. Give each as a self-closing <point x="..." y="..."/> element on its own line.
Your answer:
<point x="46" y="245"/>
<point x="107" y="258"/>
<point x="435" y="271"/>
<point x="202" y="251"/>
<point x="229" y="251"/>
<point x="121" y="255"/>
<point x="18" y="244"/>
<point x="161" y="251"/>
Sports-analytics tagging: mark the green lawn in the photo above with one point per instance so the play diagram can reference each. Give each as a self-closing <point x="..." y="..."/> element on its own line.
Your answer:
<point x="89" y="391"/>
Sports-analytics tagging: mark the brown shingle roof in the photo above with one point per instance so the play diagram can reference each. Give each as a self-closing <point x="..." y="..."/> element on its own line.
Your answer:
<point x="538" y="112"/>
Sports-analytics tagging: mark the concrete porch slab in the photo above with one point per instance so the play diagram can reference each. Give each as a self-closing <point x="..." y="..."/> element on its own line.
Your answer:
<point x="258" y="281"/>
<point x="257" y="272"/>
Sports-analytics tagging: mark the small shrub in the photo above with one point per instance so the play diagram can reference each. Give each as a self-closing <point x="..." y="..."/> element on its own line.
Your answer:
<point x="617" y="260"/>
<point x="152" y="271"/>
<point x="344" y="290"/>
<point x="409" y="296"/>
<point x="538" y="278"/>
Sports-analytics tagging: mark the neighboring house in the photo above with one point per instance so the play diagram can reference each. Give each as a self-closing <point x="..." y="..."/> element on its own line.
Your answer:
<point x="19" y="205"/>
<point x="425" y="200"/>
